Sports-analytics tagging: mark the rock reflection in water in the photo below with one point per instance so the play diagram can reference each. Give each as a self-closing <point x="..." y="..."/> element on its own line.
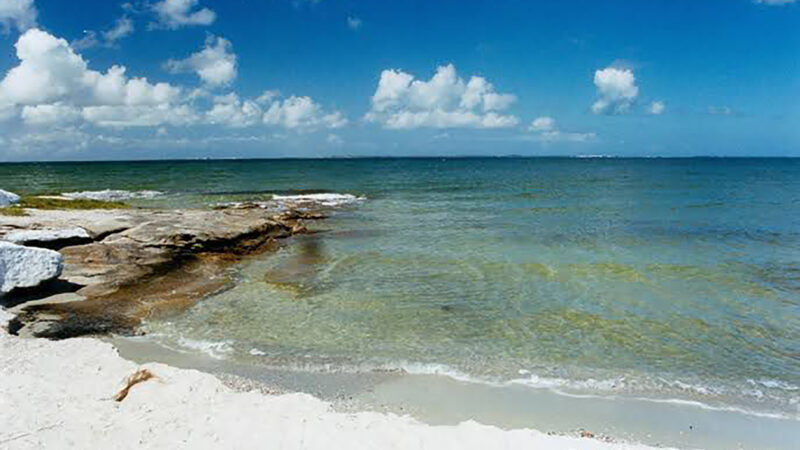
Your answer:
<point x="301" y="273"/>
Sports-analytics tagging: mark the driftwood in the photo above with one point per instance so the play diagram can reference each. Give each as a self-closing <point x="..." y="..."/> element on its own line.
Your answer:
<point x="133" y="379"/>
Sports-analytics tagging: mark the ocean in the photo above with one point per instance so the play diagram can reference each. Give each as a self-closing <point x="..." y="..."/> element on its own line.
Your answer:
<point x="664" y="280"/>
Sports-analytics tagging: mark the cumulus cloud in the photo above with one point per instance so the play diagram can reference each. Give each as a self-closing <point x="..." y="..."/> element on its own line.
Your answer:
<point x="302" y="113"/>
<point x="64" y="103"/>
<point x="546" y="129"/>
<point x="140" y="115"/>
<point x="123" y="27"/>
<point x="354" y="23"/>
<point x="657" y="108"/>
<point x="616" y="90"/>
<point x="215" y="64"/>
<point x="230" y="110"/>
<point x="54" y="85"/>
<point x="50" y="71"/>
<point x="543" y="124"/>
<point x="174" y="14"/>
<point x="296" y="113"/>
<point x="7" y="110"/>
<point x="19" y="14"/>
<point x="50" y="114"/>
<point x="445" y="101"/>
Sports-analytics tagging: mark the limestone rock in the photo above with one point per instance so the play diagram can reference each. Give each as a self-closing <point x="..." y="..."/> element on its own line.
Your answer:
<point x="140" y="262"/>
<point x="101" y="229"/>
<point x="26" y="267"/>
<point x="8" y="198"/>
<point x="52" y="239"/>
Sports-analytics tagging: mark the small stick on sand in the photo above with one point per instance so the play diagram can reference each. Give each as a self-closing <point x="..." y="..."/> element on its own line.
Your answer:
<point x="133" y="379"/>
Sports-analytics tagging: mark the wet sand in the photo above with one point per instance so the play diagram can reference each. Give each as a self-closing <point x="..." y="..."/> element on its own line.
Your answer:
<point x="441" y="400"/>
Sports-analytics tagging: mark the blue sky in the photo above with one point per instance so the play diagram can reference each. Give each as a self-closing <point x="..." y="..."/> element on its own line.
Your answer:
<point x="284" y="78"/>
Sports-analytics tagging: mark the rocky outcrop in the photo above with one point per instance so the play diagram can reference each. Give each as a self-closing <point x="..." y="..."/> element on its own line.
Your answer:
<point x="142" y="262"/>
<point x="8" y="198"/>
<point x="52" y="239"/>
<point x="25" y="267"/>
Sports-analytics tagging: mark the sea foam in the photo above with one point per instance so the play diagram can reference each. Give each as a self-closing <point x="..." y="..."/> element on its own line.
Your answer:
<point x="214" y="349"/>
<point x="324" y="199"/>
<point x="112" y="195"/>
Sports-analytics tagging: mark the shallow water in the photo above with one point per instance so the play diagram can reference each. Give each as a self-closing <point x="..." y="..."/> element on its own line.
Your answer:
<point x="661" y="279"/>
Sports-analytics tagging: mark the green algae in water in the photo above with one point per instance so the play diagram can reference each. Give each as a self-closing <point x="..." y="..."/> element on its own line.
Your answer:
<point x="78" y="203"/>
<point x="13" y="211"/>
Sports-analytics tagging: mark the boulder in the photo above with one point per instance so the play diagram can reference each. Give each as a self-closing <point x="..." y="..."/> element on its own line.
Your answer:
<point x="8" y="198"/>
<point x="52" y="239"/>
<point x="26" y="267"/>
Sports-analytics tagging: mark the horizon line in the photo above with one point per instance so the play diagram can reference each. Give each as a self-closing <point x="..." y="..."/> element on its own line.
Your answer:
<point x="326" y="158"/>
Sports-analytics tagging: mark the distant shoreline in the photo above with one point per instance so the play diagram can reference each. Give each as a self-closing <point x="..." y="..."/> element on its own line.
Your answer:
<point x="410" y="157"/>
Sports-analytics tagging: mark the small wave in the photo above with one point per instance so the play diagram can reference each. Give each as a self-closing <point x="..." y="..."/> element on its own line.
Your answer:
<point x="112" y="195"/>
<point x="434" y="369"/>
<point x="324" y="199"/>
<point x="216" y="350"/>
<point x="774" y="384"/>
<point x="330" y="200"/>
<point x="611" y="389"/>
<point x="616" y="388"/>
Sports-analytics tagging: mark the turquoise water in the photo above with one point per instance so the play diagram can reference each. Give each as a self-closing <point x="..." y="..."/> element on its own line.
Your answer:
<point x="666" y="279"/>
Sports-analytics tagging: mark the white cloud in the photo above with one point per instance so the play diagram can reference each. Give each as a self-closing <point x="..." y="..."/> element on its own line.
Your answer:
<point x="657" y="108"/>
<point x="140" y="115"/>
<point x="50" y="71"/>
<point x="50" y="139"/>
<point x="546" y="129"/>
<point x="354" y="23"/>
<point x="543" y="124"/>
<point x="123" y="27"/>
<point x="173" y="14"/>
<point x="19" y="14"/>
<point x="215" y="64"/>
<point x="297" y="113"/>
<point x="7" y="110"/>
<point x="53" y="85"/>
<point x="54" y="93"/>
<point x="775" y="2"/>
<point x="230" y="111"/>
<point x="445" y="101"/>
<point x="267" y="96"/>
<point x="50" y="114"/>
<point x="88" y="40"/>
<point x="302" y="113"/>
<point x="616" y="89"/>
